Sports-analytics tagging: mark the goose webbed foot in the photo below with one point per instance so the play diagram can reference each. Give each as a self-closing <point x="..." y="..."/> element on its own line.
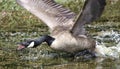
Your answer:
<point x="86" y="54"/>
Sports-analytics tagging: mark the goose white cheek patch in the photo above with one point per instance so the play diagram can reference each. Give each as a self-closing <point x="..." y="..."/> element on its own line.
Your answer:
<point x="31" y="44"/>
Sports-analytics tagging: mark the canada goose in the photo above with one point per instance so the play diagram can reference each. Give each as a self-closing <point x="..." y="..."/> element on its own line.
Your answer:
<point x="66" y="34"/>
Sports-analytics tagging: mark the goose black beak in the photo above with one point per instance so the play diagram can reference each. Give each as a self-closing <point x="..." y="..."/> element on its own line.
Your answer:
<point x="24" y="44"/>
<point x="20" y="47"/>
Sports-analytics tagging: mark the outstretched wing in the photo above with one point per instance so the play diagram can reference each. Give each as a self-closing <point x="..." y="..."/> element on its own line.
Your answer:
<point x="92" y="10"/>
<point x="48" y="11"/>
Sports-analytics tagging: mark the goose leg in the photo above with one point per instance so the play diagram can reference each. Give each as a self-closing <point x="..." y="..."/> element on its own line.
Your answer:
<point x="86" y="54"/>
<point x="90" y="55"/>
<point x="81" y="53"/>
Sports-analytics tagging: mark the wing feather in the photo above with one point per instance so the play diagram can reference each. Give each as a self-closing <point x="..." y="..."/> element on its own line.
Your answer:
<point x="92" y="10"/>
<point x="48" y="11"/>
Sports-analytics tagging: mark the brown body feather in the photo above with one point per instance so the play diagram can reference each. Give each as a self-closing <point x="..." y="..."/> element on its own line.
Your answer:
<point x="65" y="41"/>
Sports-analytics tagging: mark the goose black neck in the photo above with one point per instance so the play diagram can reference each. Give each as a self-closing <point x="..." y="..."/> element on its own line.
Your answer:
<point x="44" y="38"/>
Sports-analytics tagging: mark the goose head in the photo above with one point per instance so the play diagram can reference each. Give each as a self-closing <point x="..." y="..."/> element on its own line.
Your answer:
<point x="36" y="42"/>
<point x="26" y="44"/>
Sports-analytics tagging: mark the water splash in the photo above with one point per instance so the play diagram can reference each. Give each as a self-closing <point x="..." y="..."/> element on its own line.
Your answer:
<point x="108" y="35"/>
<point x="113" y="50"/>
